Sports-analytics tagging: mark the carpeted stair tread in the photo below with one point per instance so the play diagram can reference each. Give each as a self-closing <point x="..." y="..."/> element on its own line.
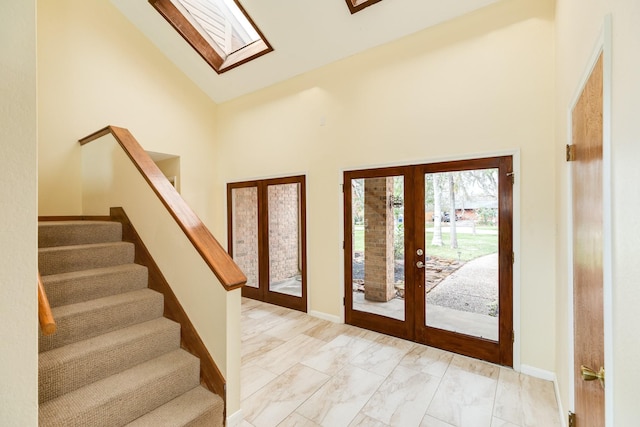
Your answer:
<point x="196" y="408"/>
<point x="124" y="397"/>
<point x="76" y="322"/>
<point x="114" y="359"/>
<point x="64" y="259"/>
<point x="68" y="233"/>
<point x="84" y="285"/>
<point x="68" y="368"/>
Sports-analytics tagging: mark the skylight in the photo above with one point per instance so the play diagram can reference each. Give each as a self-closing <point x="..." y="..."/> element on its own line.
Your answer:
<point x="219" y="30"/>
<point x="358" y="5"/>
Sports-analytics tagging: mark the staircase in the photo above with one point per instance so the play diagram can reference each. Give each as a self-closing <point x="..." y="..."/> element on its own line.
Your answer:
<point x="114" y="360"/>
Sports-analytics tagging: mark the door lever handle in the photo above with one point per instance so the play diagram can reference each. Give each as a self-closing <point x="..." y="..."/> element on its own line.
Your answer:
<point x="420" y="264"/>
<point x="589" y="374"/>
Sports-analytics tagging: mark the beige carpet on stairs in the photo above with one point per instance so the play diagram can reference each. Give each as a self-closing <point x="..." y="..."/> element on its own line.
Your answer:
<point x="114" y="360"/>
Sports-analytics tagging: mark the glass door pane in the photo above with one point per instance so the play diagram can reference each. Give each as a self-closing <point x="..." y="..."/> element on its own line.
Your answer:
<point x="378" y="244"/>
<point x="267" y="227"/>
<point x="285" y="248"/>
<point x="244" y="222"/>
<point x="461" y="264"/>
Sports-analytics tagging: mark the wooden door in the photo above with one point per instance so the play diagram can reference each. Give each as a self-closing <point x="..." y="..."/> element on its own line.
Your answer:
<point x="398" y="281"/>
<point x="587" y="248"/>
<point x="267" y="239"/>
<point x="378" y="227"/>
<point x="470" y="311"/>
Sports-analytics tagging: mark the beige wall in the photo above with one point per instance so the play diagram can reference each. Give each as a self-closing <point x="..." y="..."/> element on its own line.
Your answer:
<point x="18" y="233"/>
<point x="109" y="178"/>
<point x="478" y="85"/>
<point x="577" y="31"/>
<point x="483" y="83"/>
<point x="96" y="69"/>
<point x="171" y="168"/>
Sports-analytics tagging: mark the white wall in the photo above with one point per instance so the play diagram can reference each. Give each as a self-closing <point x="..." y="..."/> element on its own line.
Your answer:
<point x="478" y="85"/>
<point x="18" y="233"/>
<point x="578" y="27"/>
<point x="96" y="69"/>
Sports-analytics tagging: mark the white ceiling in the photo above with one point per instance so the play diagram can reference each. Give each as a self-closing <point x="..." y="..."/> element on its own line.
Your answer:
<point x="305" y="34"/>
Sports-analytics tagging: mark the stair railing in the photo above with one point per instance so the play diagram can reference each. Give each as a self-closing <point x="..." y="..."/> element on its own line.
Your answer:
<point x="118" y="172"/>
<point x="213" y="254"/>
<point x="47" y="322"/>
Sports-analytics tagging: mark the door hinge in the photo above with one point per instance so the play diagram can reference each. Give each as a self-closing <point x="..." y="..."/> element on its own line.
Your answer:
<point x="343" y="244"/>
<point x="513" y="257"/>
<point x="513" y="336"/>
<point x="344" y="301"/>
<point x="512" y="175"/>
<point x="571" y="152"/>
<point x="572" y="420"/>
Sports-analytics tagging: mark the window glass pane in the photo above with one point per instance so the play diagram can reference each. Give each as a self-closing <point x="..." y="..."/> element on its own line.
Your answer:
<point x="461" y="273"/>
<point x="377" y="225"/>
<point x="245" y="232"/>
<point x="220" y="22"/>
<point x="285" y="256"/>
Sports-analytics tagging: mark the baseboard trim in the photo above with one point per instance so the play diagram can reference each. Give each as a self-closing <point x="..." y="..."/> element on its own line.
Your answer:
<point x="235" y="419"/>
<point x="325" y="316"/>
<point x="548" y="376"/>
<point x="538" y="373"/>
<point x="563" y="415"/>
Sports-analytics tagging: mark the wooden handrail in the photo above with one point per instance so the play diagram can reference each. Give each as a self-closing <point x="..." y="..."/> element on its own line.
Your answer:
<point x="47" y="323"/>
<point x="213" y="254"/>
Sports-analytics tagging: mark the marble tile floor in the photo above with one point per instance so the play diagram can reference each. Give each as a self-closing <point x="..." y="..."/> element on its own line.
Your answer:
<point x="298" y="370"/>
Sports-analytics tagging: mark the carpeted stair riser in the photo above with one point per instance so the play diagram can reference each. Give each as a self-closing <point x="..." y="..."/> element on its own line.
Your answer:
<point x="124" y="397"/>
<point x="88" y="319"/>
<point x="70" y="233"/>
<point x="114" y="359"/>
<point x="68" y="368"/>
<point x="195" y="408"/>
<point x="85" y="285"/>
<point x="64" y="259"/>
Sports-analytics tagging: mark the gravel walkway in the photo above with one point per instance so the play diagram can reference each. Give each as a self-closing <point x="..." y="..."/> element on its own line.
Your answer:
<point x="470" y="286"/>
<point x="473" y="287"/>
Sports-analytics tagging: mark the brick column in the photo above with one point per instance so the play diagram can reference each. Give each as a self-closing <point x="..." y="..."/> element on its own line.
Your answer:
<point x="378" y="240"/>
<point x="245" y="232"/>
<point x="284" y="231"/>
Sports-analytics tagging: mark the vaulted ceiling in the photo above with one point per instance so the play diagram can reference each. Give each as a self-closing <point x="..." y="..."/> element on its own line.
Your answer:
<point x="305" y="35"/>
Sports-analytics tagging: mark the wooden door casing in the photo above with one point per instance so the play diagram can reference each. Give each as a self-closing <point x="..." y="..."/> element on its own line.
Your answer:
<point x="587" y="205"/>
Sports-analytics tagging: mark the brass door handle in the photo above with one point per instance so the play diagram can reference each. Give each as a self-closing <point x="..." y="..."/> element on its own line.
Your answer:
<point x="589" y="374"/>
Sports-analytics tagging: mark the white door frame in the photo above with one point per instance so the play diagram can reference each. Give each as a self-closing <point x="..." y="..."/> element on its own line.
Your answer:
<point x="603" y="46"/>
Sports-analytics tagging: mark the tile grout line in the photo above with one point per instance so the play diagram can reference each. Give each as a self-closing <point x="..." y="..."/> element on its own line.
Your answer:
<point x="310" y="396"/>
<point x="495" y="397"/>
<point x="357" y="335"/>
<point x="436" y="392"/>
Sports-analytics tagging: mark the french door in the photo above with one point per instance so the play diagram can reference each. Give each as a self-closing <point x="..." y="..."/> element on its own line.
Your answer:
<point x="267" y="239"/>
<point x="429" y="256"/>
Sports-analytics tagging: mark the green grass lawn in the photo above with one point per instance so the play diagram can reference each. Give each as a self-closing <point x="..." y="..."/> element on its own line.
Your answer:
<point x="470" y="246"/>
